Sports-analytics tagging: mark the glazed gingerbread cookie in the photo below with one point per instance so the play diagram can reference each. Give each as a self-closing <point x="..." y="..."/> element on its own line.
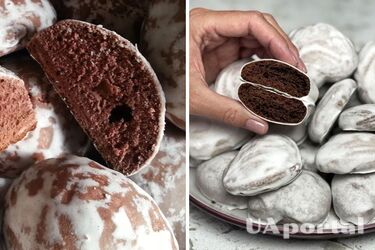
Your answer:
<point x="109" y="87"/>
<point x="75" y="203"/>
<point x="20" y="20"/>
<point x="165" y="180"/>
<point x="56" y="132"/>
<point x="328" y="54"/>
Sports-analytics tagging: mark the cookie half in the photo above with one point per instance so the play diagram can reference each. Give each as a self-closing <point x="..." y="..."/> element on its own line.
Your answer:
<point x="276" y="92"/>
<point x="109" y="87"/>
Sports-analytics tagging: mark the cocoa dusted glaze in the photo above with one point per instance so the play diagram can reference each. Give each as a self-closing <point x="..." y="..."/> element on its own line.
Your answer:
<point x="80" y="204"/>
<point x="109" y="87"/>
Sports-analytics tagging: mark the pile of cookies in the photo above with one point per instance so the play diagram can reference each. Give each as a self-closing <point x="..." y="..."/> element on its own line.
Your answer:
<point x="73" y="91"/>
<point x="307" y="165"/>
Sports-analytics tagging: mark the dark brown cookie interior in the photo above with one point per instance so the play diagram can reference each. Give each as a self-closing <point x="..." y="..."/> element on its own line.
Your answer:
<point x="270" y="105"/>
<point x="277" y="75"/>
<point x="107" y="87"/>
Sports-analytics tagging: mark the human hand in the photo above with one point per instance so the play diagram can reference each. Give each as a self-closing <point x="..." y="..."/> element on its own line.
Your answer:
<point x="218" y="38"/>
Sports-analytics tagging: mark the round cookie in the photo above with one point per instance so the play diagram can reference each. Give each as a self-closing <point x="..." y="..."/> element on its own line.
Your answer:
<point x="365" y="73"/>
<point x="347" y="153"/>
<point x="263" y="164"/>
<point x="209" y="177"/>
<point x="20" y="20"/>
<point x="305" y="200"/>
<point x="209" y="138"/>
<point x="354" y="197"/>
<point x="329" y="55"/>
<point x="163" y="43"/>
<point x="165" y="178"/>
<point x="17" y="116"/>
<point x="123" y="16"/>
<point x="109" y="87"/>
<point x="56" y="131"/>
<point x="75" y="203"/>
<point x="329" y="109"/>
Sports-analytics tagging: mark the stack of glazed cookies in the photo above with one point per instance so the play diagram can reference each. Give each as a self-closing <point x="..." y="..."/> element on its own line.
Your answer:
<point x="67" y="85"/>
<point x="319" y="155"/>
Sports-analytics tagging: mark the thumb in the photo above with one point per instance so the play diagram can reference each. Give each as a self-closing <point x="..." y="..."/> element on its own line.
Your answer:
<point x="209" y="104"/>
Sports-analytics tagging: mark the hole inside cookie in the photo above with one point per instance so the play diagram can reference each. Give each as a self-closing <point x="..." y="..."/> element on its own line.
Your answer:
<point x="96" y="72"/>
<point x="271" y="106"/>
<point x="277" y="75"/>
<point x="121" y="113"/>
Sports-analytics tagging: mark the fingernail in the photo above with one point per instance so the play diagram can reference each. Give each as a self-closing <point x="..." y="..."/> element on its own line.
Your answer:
<point x="288" y="55"/>
<point x="295" y="54"/>
<point x="303" y="66"/>
<point x="295" y="57"/>
<point x="256" y="126"/>
<point x="300" y="63"/>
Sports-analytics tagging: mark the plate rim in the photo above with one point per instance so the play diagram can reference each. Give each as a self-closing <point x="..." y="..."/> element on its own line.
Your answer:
<point x="327" y="233"/>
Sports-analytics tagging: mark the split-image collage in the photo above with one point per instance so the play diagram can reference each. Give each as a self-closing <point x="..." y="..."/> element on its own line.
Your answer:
<point x="187" y="125"/>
